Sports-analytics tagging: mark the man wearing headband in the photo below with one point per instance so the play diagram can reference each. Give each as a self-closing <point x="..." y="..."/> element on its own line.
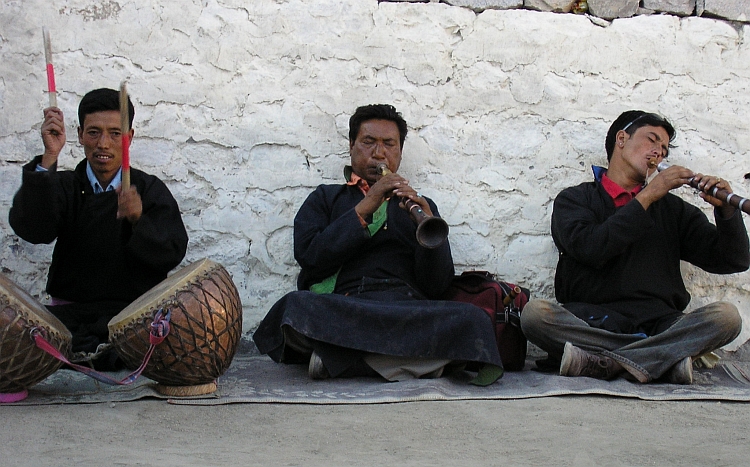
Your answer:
<point x="620" y="242"/>
<point x="112" y="245"/>
<point x="367" y="300"/>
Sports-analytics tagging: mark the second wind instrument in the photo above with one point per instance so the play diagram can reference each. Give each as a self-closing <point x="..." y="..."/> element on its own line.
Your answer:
<point x="431" y="231"/>
<point x="735" y="200"/>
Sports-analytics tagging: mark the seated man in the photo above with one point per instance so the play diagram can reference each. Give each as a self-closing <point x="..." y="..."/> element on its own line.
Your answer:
<point x="358" y="250"/>
<point x="112" y="244"/>
<point x="618" y="277"/>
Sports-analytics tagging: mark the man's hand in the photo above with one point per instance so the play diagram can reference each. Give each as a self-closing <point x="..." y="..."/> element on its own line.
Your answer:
<point x="407" y="192"/>
<point x="389" y="185"/>
<point x="379" y="192"/>
<point x="129" y="204"/>
<point x="53" y="135"/>
<point x="675" y="176"/>
<point x="707" y="183"/>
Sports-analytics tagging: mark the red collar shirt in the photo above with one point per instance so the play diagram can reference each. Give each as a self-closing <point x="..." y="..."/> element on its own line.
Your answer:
<point x="619" y="195"/>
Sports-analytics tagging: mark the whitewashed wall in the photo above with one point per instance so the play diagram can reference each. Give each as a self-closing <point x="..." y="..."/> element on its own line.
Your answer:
<point x="242" y="109"/>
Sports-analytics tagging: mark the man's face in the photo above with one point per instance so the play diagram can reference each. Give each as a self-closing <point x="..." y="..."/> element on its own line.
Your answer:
<point x="647" y="143"/>
<point x="378" y="141"/>
<point x="101" y="138"/>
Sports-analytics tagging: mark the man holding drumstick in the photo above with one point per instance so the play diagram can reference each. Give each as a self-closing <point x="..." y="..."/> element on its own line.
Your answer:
<point x="367" y="303"/>
<point x="113" y="244"/>
<point x="618" y="277"/>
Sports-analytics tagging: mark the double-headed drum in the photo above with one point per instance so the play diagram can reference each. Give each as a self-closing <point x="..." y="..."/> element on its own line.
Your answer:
<point x="22" y="363"/>
<point x="205" y="329"/>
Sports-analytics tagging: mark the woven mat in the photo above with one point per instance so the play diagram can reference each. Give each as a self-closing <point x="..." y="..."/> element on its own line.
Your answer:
<point x="257" y="379"/>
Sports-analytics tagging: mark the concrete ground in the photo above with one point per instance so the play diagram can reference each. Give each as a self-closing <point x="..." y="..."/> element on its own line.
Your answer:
<point x="551" y="431"/>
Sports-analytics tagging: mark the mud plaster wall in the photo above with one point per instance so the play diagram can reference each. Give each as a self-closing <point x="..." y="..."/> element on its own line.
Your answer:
<point x="242" y="109"/>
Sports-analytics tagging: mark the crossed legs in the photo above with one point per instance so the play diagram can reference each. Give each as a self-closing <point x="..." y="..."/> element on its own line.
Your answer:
<point x="707" y="328"/>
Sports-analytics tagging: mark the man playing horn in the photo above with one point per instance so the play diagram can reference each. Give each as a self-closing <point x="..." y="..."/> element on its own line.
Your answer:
<point x="367" y="300"/>
<point x="618" y="276"/>
<point x="113" y="244"/>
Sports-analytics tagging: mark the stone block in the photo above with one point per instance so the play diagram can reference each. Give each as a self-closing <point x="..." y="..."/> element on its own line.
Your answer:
<point x="558" y="6"/>
<point x="734" y="10"/>
<point x="676" y="7"/>
<point x="611" y="9"/>
<point x="481" y="5"/>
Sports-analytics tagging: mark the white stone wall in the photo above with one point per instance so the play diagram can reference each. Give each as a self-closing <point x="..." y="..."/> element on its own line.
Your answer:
<point x="242" y="109"/>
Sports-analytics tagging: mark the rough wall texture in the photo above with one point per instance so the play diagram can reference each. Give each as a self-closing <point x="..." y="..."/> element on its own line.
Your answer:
<point x="242" y="108"/>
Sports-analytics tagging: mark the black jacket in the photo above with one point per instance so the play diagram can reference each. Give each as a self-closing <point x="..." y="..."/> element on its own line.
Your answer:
<point x="98" y="257"/>
<point x="328" y="235"/>
<point x="629" y="258"/>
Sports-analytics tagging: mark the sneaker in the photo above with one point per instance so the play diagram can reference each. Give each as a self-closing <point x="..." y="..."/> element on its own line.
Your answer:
<point x="316" y="369"/>
<point x="578" y="362"/>
<point x="681" y="372"/>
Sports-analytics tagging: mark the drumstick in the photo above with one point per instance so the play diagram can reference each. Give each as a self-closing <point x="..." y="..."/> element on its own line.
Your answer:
<point x="52" y="92"/>
<point x="125" y="129"/>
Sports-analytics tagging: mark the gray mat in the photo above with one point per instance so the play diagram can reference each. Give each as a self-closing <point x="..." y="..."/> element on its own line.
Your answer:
<point x="256" y="379"/>
<point x="70" y="387"/>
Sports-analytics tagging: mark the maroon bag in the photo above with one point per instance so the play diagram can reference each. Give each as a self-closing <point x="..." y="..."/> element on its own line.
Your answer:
<point x="503" y="301"/>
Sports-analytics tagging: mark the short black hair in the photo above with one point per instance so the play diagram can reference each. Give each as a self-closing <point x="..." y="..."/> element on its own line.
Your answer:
<point x="630" y="121"/>
<point x="100" y="100"/>
<point x="376" y="112"/>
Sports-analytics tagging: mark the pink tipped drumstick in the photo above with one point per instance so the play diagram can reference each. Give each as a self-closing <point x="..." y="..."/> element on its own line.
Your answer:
<point x="51" y="90"/>
<point x="125" y="129"/>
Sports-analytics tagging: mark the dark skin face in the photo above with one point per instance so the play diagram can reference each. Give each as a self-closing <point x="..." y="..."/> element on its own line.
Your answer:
<point x="635" y="157"/>
<point x="378" y="142"/>
<point x="629" y="165"/>
<point x="101" y="138"/>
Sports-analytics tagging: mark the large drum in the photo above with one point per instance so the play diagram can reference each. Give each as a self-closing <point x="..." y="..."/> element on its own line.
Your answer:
<point x="22" y="363"/>
<point x="205" y="329"/>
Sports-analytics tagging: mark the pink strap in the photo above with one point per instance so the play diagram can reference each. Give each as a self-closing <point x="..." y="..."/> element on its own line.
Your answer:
<point x="159" y="332"/>
<point x="8" y="397"/>
<point x="58" y="301"/>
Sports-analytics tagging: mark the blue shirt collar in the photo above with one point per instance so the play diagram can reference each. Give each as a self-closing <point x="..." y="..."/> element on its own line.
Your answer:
<point x="113" y="185"/>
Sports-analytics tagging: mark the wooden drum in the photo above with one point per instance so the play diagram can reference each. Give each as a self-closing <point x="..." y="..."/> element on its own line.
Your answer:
<point x="205" y="329"/>
<point x="22" y="363"/>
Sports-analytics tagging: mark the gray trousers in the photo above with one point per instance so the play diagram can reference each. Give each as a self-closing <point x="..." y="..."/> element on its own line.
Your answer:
<point x="707" y="328"/>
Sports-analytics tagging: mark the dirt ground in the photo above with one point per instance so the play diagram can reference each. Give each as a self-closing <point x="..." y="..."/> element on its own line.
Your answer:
<point x="550" y="431"/>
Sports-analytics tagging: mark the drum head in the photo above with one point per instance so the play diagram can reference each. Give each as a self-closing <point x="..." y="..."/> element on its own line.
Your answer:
<point x="29" y="307"/>
<point x="159" y="293"/>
